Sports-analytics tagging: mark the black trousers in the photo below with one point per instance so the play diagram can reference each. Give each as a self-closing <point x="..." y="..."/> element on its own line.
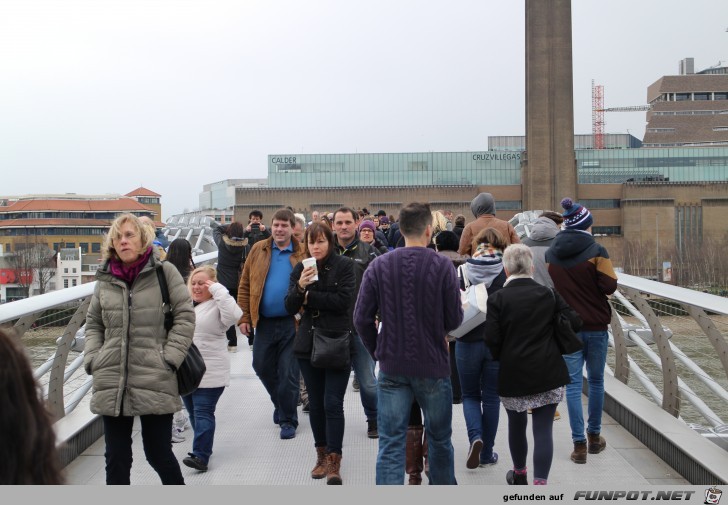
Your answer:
<point x="157" y="441"/>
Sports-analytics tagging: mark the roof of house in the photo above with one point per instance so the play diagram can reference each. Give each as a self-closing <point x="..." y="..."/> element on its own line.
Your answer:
<point x="41" y="204"/>
<point x="142" y="191"/>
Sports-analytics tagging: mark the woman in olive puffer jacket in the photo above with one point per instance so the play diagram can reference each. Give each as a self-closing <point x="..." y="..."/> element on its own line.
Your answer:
<point x="131" y="356"/>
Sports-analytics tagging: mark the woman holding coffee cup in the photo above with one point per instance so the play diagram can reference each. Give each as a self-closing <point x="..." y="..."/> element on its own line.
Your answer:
<point x="323" y="294"/>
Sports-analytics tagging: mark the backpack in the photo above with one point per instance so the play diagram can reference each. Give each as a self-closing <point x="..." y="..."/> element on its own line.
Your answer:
<point x="474" y="299"/>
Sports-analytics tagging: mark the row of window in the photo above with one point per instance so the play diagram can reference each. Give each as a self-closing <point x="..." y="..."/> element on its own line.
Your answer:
<point x="606" y="231"/>
<point x="698" y="96"/>
<point x="21" y="232"/>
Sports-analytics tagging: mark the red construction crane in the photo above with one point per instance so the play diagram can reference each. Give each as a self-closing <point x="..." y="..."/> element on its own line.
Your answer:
<point x="598" y="111"/>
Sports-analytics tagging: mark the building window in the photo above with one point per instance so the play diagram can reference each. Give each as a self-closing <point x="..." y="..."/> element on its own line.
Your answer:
<point x="74" y="270"/>
<point x="701" y="96"/>
<point x="84" y="247"/>
<point x="719" y="95"/>
<point x="681" y="97"/>
<point x="660" y="130"/>
<point x="95" y="248"/>
<point x="65" y="283"/>
<point x="509" y="205"/>
<point x="65" y="270"/>
<point x="417" y="166"/>
<point x="720" y="129"/>
<point x="606" y="231"/>
<point x="74" y="282"/>
<point x="600" y="204"/>
<point x="71" y="245"/>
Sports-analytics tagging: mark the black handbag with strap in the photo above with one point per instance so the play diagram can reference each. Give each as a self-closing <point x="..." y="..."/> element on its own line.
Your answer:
<point x="331" y="349"/>
<point x="193" y="368"/>
<point x="564" y="333"/>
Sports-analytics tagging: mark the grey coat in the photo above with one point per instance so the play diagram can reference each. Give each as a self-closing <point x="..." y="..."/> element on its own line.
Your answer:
<point x="127" y="349"/>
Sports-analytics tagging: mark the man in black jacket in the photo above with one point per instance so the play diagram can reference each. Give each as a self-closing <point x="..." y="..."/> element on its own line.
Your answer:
<point x="361" y="253"/>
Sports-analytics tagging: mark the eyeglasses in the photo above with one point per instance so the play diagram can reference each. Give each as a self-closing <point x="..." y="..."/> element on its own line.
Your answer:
<point x="127" y="236"/>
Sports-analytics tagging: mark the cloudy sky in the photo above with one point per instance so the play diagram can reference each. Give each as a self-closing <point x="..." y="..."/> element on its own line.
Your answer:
<point x="102" y="96"/>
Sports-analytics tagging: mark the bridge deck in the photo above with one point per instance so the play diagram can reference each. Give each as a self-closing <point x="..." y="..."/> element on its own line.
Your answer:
<point x="248" y="449"/>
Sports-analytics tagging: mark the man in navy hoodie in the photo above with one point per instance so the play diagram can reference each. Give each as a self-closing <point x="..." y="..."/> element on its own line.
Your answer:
<point x="415" y="291"/>
<point x="582" y="273"/>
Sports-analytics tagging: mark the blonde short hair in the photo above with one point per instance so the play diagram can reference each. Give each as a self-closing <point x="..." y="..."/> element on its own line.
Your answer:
<point x="144" y="231"/>
<point x="208" y="270"/>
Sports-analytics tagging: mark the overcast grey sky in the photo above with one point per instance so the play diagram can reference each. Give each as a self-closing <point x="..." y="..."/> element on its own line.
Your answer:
<point x="102" y="96"/>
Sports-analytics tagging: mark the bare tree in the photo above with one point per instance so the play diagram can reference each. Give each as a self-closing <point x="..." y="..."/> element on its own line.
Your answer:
<point x="32" y="260"/>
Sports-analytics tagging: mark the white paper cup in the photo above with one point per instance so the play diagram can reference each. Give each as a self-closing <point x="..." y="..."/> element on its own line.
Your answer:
<point x="311" y="262"/>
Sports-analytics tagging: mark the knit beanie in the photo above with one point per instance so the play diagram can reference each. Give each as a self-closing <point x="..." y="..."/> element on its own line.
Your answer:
<point x="367" y="224"/>
<point x="576" y="216"/>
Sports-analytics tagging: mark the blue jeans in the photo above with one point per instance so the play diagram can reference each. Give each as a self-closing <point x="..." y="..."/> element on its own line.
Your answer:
<point x="200" y="407"/>
<point x="276" y="367"/>
<point x="594" y="355"/>
<point x="326" y="389"/>
<point x="478" y="374"/>
<point x="395" y="394"/>
<point x="363" y="365"/>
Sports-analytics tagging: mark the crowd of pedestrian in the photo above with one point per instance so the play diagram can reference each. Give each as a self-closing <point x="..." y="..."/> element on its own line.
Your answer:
<point x="382" y="297"/>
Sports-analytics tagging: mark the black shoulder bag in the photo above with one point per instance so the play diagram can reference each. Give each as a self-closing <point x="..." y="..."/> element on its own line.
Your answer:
<point x="565" y="335"/>
<point x="190" y="372"/>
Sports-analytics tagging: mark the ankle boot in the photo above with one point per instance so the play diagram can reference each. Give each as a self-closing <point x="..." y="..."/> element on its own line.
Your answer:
<point x="579" y="454"/>
<point x="319" y="471"/>
<point x="333" y="477"/>
<point x="413" y="455"/>
<point x="596" y="443"/>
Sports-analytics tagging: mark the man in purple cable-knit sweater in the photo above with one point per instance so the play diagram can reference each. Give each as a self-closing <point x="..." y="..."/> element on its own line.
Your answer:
<point x="416" y="293"/>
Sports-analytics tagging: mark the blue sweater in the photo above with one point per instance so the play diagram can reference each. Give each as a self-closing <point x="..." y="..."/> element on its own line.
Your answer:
<point x="415" y="291"/>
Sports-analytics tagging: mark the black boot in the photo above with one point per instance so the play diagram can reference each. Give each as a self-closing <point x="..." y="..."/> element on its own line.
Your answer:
<point x="517" y="479"/>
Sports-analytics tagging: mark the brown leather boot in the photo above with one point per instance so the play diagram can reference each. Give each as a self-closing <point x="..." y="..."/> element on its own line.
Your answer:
<point x="596" y="443"/>
<point x="579" y="454"/>
<point x="333" y="477"/>
<point x="425" y="458"/>
<point x="319" y="471"/>
<point x="413" y="455"/>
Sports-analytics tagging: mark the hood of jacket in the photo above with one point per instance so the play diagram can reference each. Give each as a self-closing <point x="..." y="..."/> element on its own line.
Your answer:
<point x="234" y="244"/>
<point x="571" y="247"/>
<point x="479" y="271"/>
<point x="484" y="203"/>
<point x="543" y="229"/>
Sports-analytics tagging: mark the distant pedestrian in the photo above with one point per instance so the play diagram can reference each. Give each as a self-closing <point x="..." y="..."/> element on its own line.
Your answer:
<point x="231" y="251"/>
<point x="483" y="207"/>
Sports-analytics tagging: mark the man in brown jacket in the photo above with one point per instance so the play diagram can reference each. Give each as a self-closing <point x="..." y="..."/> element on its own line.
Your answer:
<point x="261" y="292"/>
<point x="483" y="207"/>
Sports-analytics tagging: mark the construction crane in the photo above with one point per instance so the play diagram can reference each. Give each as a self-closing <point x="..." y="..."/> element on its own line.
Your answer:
<point x="598" y="111"/>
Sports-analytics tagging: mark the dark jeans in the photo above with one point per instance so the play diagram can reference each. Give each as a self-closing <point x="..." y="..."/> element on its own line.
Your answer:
<point x="157" y="441"/>
<point x="201" y="408"/>
<point x="276" y="367"/>
<point x="326" y="389"/>
<point x="363" y="365"/>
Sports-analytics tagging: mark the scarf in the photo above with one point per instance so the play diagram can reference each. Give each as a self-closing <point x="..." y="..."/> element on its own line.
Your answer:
<point x="487" y="251"/>
<point x="128" y="273"/>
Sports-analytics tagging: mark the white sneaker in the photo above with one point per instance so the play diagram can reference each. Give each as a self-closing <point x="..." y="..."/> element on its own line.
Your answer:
<point x="232" y="348"/>
<point x="176" y="437"/>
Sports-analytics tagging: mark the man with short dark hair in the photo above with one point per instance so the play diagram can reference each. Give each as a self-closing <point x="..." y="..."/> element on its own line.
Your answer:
<point x="416" y="292"/>
<point x="262" y="290"/>
<point x="362" y="254"/>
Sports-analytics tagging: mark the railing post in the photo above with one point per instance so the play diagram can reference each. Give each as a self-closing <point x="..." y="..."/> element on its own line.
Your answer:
<point x="670" y="391"/>
<point x="714" y="335"/>
<point x="56" y="402"/>
<point x="621" y="361"/>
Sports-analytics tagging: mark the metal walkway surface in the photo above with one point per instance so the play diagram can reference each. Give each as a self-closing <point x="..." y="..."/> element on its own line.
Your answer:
<point x="248" y="449"/>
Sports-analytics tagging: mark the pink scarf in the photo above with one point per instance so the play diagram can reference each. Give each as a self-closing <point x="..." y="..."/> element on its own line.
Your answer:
<point x="128" y="273"/>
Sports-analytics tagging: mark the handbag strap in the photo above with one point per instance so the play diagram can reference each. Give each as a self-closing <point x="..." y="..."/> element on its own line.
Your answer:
<point x="166" y="306"/>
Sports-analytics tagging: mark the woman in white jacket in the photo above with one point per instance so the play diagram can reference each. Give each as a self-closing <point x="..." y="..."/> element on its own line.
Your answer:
<point x="215" y="312"/>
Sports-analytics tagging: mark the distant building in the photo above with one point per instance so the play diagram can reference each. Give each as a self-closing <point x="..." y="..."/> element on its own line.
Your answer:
<point x="688" y="109"/>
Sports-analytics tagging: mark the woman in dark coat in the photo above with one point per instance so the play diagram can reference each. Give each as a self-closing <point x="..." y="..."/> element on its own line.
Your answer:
<point x="230" y="249"/>
<point x="325" y="303"/>
<point x="519" y="332"/>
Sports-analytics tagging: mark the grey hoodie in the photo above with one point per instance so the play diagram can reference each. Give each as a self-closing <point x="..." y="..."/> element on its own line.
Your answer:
<point x="484" y="203"/>
<point x="543" y="232"/>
